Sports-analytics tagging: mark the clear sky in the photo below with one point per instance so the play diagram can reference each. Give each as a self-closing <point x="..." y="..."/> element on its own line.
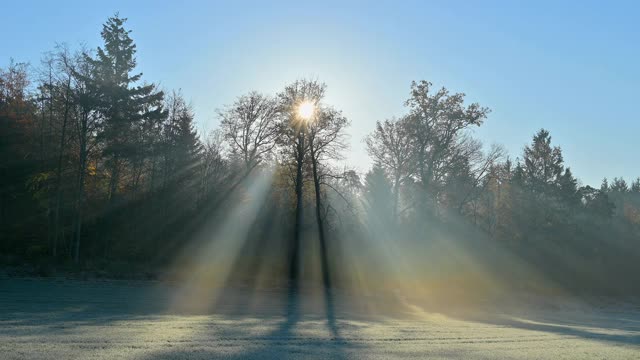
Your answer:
<point x="572" y="67"/>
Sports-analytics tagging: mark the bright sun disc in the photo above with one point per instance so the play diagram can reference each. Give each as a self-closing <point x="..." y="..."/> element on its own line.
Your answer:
<point x="306" y="109"/>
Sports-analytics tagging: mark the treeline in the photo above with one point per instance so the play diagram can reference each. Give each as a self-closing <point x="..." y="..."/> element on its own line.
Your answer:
<point x="94" y="160"/>
<point x="99" y="166"/>
<point x="533" y="209"/>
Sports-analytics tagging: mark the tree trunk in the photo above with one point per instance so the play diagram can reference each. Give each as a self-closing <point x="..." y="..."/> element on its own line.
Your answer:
<point x="396" y="198"/>
<point x="82" y="168"/>
<point x="326" y="279"/>
<point x="295" y="248"/>
<point x="324" y="256"/>
<point x="59" y="172"/>
<point x="50" y="239"/>
<point x="113" y="181"/>
<point x="113" y="189"/>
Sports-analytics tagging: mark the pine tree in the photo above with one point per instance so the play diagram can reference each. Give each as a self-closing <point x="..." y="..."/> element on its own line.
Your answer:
<point x="123" y="105"/>
<point x="619" y="185"/>
<point x="182" y="147"/>
<point x="378" y="197"/>
<point x="635" y="186"/>
<point x="604" y="186"/>
<point x="543" y="164"/>
<point x="568" y="188"/>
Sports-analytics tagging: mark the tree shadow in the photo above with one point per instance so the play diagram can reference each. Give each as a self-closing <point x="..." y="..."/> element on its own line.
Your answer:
<point x="329" y="298"/>
<point x="282" y="342"/>
<point x="48" y="306"/>
<point x="61" y="308"/>
<point x="588" y="323"/>
<point x="561" y="329"/>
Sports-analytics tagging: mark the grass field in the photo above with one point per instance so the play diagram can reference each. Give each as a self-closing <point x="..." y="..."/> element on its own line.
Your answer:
<point x="63" y="319"/>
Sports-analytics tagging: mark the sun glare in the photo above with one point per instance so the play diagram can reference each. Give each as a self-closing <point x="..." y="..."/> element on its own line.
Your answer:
<point x="306" y="110"/>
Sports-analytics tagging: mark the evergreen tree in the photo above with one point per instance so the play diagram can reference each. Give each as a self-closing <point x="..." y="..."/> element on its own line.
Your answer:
<point x="568" y="188"/>
<point x="596" y="203"/>
<point x="604" y="186"/>
<point x="379" y="198"/>
<point x="635" y="186"/>
<point x="619" y="185"/>
<point x="543" y="164"/>
<point x="123" y="105"/>
<point x="182" y="147"/>
<point x="549" y="191"/>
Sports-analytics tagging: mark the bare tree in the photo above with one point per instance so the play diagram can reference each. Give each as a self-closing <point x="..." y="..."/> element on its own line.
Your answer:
<point x="250" y="125"/>
<point x="86" y="121"/>
<point x="477" y="167"/>
<point x="214" y="165"/>
<point x="326" y="141"/>
<point x="293" y="132"/>
<point x="390" y="147"/>
<point x="437" y="123"/>
<point x="64" y="64"/>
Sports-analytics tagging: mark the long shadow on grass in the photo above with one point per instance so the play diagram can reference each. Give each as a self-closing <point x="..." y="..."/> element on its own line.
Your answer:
<point x="629" y="336"/>
<point x="283" y="342"/>
<point x="589" y="324"/>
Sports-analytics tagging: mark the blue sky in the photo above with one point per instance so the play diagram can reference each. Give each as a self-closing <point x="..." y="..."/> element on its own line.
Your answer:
<point x="572" y="67"/>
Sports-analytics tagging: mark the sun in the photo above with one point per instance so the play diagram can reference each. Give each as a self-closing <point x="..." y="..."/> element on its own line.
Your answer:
<point x="306" y="109"/>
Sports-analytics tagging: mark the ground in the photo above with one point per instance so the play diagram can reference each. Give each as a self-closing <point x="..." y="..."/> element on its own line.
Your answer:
<point x="63" y="319"/>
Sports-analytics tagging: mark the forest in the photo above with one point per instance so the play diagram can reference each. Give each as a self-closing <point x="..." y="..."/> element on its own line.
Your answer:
<point x="102" y="171"/>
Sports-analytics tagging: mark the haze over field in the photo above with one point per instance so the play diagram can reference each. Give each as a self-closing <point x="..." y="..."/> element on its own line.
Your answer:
<point x="312" y="181"/>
